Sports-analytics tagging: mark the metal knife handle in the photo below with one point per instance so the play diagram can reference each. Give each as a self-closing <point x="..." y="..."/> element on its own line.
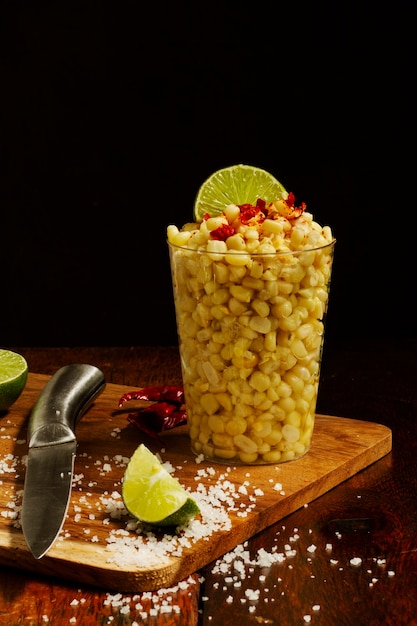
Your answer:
<point x="61" y="403"/>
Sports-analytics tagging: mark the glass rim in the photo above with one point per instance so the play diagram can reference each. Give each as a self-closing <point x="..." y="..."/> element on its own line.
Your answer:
<point x="331" y="244"/>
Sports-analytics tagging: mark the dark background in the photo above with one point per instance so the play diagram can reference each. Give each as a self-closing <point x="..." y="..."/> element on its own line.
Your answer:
<point x="113" y="114"/>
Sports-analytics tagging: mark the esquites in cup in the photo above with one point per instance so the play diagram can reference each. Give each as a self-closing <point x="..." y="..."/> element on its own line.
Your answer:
<point x="251" y="279"/>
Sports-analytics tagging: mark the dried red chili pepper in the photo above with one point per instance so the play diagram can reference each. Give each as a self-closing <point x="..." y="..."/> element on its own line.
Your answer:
<point x="164" y="414"/>
<point x="167" y="393"/>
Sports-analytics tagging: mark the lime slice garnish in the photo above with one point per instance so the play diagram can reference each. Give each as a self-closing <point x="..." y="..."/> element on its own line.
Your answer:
<point x="237" y="184"/>
<point x="152" y="495"/>
<point x="13" y="376"/>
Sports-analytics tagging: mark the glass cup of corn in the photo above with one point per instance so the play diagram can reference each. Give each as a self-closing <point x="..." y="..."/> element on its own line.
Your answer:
<point x="251" y="330"/>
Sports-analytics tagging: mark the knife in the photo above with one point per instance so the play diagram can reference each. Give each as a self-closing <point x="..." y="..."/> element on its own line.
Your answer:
<point x="52" y="446"/>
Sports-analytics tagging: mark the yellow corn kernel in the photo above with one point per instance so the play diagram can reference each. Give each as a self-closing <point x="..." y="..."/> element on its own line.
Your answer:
<point x="307" y="258"/>
<point x="231" y="212"/>
<point x="284" y="287"/>
<point x="221" y="453"/>
<point x="284" y="390"/>
<point x="220" y="273"/>
<point x="226" y="352"/>
<point x="224" y="336"/>
<point x="222" y="440"/>
<point x="212" y="377"/>
<point x="309" y="392"/>
<point x="256" y="269"/>
<point x="238" y="259"/>
<point x="299" y="449"/>
<point x="282" y="309"/>
<point x="208" y="450"/>
<point x="245" y="444"/>
<point x="225" y="401"/>
<point x="201" y="314"/>
<point x="237" y="273"/>
<point x="235" y="426"/>
<point x="197" y="446"/>
<point x="264" y="405"/>
<point x="236" y="308"/>
<point x="260" y="324"/>
<point x="219" y="311"/>
<point x="289" y="323"/>
<point x="274" y="436"/>
<point x="248" y="333"/>
<point x="215" y="247"/>
<point x="293" y="419"/>
<point x="261" y="429"/>
<point x="241" y="345"/>
<point x="253" y="283"/>
<point x="287" y="404"/>
<point x="287" y="455"/>
<point x="194" y="432"/>
<point x="243" y="411"/>
<point x="260" y="381"/>
<point x="210" y="404"/>
<point x="233" y="386"/>
<point x="220" y="295"/>
<point x="273" y="456"/>
<point x="248" y="458"/>
<point x="217" y="362"/>
<point x="290" y="433"/>
<point x="236" y="242"/>
<point x="302" y="406"/>
<point x="272" y="226"/>
<point x="242" y="294"/>
<point x="203" y="436"/>
<point x="272" y="394"/>
<point x="263" y="447"/>
<point x="261" y="307"/>
<point x="295" y="383"/>
<point x="215" y="424"/>
<point x="302" y="372"/>
<point x="247" y="360"/>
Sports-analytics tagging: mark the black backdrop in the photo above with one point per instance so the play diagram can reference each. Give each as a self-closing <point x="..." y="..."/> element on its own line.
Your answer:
<point x="115" y="113"/>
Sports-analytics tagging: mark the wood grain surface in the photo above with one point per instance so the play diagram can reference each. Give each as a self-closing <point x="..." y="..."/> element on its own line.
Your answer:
<point x="370" y="517"/>
<point x="340" y="448"/>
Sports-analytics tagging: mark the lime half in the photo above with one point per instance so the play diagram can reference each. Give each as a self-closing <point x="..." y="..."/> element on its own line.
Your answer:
<point x="152" y="495"/>
<point x="13" y="376"/>
<point x="238" y="184"/>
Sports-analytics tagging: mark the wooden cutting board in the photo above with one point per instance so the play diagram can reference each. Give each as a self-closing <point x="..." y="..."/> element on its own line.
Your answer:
<point x="256" y="496"/>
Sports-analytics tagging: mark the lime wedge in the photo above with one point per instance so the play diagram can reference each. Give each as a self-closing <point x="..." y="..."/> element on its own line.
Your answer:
<point x="13" y="376"/>
<point x="152" y="495"/>
<point x="237" y="184"/>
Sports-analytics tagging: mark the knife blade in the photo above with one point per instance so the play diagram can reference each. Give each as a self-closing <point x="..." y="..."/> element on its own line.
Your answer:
<point x="52" y="450"/>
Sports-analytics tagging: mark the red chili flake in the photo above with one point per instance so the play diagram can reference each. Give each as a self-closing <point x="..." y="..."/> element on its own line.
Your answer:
<point x="290" y="202"/>
<point x="261" y="204"/>
<point x="250" y="212"/>
<point x="222" y="232"/>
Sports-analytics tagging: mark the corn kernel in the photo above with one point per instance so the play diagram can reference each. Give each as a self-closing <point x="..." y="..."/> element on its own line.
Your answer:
<point x="236" y="426"/>
<point x="210" y="404"/>
<point x="245" y="444"/>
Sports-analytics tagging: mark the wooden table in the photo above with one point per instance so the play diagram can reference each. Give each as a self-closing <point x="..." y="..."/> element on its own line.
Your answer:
<point x="350" y="556"/>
